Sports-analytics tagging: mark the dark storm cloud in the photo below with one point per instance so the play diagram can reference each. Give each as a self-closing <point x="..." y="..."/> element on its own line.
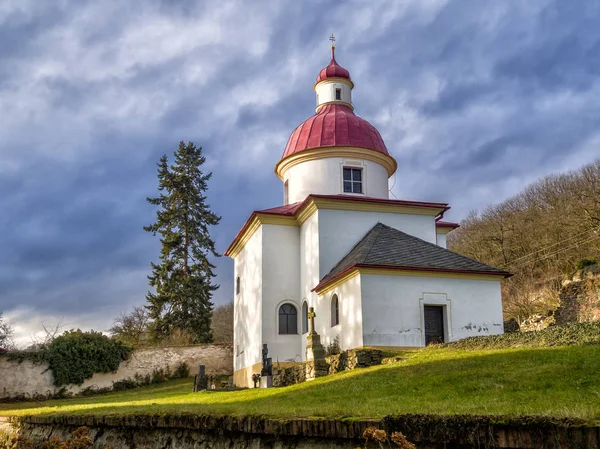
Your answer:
<point x="474" y="99"/>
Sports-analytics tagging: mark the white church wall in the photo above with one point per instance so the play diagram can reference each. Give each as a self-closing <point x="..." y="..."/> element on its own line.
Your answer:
<point x="350" y="327"/>
<point x="324" y="177"/>
<point x="340" y="230"/>
<point x="281" y="284"/>
<point x="441" y="240"/>
<point x="309" y="267"/>
<point x="247" y="319"/>
<point x="392" y="308"/>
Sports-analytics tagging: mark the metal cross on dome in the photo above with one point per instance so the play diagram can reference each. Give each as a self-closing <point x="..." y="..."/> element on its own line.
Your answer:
<point x="332" y="39"/>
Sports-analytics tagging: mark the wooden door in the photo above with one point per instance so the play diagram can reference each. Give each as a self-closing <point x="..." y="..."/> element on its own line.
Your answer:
<point x="434" y="324"/>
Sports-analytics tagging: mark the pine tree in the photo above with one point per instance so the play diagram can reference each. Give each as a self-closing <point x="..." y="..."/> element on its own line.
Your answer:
<point x="183" y="279"/>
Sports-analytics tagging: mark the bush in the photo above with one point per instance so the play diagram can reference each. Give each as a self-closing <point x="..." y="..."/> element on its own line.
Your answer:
<point x="181" y="372"/>
<point x="584" y="263"/>
<point x="76" y="355"/>
<point x="568" y="335"/>
<point x="333" y="348"/>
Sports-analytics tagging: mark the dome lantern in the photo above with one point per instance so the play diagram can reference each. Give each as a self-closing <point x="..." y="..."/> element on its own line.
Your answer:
<point x="335" y="152"/>
<point x="333" y="84"/>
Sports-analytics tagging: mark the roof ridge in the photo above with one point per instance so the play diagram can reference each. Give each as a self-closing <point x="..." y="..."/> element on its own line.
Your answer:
<point x="438" y="247"/>
<point x="364" y="237"/>
<point x="379" y="225"/>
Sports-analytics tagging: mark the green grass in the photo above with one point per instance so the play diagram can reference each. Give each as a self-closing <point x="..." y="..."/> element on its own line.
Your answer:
<point x="556" y="382"/>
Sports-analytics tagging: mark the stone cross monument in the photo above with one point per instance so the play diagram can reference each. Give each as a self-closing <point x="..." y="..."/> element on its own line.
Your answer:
<point x="316" y="365"/>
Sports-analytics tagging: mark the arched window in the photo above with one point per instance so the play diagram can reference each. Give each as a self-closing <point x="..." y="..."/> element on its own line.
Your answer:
<point x="335" y="311"/>
<point x="304" y="317"/>
<point x="288" y="319"/>
<point x="237" y="286"/>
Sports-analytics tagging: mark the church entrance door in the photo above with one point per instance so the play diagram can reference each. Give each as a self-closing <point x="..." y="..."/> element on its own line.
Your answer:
<point x="434" y="324"/>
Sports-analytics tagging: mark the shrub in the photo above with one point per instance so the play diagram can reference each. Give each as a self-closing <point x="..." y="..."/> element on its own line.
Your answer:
<point x="181" y="372"/>
<point x="125" y="384"/>
<point x="583" y="263"/>
<point x="568" y="335"/>
<point x="160" y="375"/>
<point x="76" y="355"/>
<point x="333" y="348"/>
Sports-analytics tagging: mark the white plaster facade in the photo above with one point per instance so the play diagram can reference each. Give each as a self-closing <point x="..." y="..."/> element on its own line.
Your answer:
<point x="282" y="256"/>
<point x="325" y="176"/>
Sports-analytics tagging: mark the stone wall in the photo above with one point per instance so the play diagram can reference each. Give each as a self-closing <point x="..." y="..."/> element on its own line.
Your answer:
<point x="347" y="360"/>
<point x="580" y="298"/>
<point x="226" y="432"/>
<point x="29" y="380"/>
<point x="284" y="376"/>
<point x="354" y="358"/>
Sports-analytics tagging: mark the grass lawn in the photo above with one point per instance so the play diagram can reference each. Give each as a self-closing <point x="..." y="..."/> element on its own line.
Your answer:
<point x="557" y="382"/>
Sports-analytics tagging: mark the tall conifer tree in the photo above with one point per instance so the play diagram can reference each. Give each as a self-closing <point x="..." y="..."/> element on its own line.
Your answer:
<point x="183" y="279"/>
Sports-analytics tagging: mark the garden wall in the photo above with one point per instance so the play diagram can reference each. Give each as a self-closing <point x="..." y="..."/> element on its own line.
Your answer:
<point x="29" y="380"/>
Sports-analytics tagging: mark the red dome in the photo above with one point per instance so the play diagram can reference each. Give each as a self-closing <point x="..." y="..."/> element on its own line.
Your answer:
<point x="334" y="125"/>
<point x="333" y="70"/>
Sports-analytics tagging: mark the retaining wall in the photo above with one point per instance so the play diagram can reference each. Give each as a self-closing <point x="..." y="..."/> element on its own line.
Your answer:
<point x="225" y="432"/>
<point x="30" y="380"/>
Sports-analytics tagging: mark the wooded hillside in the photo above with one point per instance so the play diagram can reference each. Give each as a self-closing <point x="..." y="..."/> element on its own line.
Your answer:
<point x="542" y="236"/>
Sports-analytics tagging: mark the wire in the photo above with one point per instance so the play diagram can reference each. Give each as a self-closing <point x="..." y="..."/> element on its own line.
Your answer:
<point x="393" y="185"/>
<point x="550" y="246"/>
<point x="560" y="250"/>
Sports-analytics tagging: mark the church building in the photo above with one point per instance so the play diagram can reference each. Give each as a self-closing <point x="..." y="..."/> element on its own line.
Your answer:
<point x="375" y="270"/>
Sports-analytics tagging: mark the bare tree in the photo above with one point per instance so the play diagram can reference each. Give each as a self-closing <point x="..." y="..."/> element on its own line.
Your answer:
<point x="48" y="334"/>
<point x="539" y="235"/>
<point x="6" y="334"/>
<point x="132" y="327"/>
<point x="222" y="324"/>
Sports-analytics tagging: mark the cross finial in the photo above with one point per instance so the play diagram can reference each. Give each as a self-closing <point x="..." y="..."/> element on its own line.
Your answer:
<point x="332" y="39"/>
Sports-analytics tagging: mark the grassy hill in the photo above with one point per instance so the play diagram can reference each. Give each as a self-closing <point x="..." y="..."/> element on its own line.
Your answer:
<point x="562" y="381"/>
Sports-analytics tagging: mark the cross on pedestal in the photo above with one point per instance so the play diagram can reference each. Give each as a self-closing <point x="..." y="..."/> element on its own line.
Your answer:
<point x="311" y="320"/>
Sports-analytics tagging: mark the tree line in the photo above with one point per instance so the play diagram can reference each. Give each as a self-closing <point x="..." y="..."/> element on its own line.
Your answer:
<point x="542" y="235"/>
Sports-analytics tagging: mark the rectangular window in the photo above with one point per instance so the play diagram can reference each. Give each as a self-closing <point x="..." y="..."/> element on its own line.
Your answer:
<point x="353" y="180"/>
<point x="286" y="193"/>
<point x="338" y="94"/>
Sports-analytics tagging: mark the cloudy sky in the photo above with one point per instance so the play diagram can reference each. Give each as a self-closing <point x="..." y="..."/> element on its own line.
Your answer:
<point x="475" y="99"/>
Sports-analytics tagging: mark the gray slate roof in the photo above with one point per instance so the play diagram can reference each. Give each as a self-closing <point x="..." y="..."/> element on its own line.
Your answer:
<point x="384" y="245"/>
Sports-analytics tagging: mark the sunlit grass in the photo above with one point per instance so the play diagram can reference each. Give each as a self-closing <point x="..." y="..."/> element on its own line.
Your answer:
<point x="558" y="382"/>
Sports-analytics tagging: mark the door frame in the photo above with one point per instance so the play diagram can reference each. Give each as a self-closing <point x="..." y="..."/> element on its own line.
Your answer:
<point x="437" y="299"/>
<point x="439" y="311"/>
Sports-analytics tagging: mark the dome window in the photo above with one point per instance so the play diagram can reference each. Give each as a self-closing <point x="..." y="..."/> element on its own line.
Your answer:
<point x="353" y="180"/>
<point x="338" y="94"/>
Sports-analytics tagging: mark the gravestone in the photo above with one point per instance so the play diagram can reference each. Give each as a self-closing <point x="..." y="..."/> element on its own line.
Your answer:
<point x="201" y="379"/>
<point x="266" y="373"/>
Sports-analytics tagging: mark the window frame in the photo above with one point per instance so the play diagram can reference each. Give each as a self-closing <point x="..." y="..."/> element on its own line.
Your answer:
<point x="279" y="315"/>
<point x="352" y="181"/>
<point x="304" y="317"/>
<point x="335" y="310"/>
<point x="238" y="287"/>
<point x="338" y="94"/>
